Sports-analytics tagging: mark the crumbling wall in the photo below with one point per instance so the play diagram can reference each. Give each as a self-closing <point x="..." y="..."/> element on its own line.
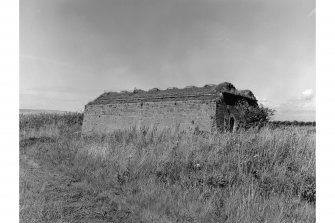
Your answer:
<point x="220" y="115"/>
<point x="228" y="116"/>
<point x="224" y="114"/>
<point x="190" y="114"/>
<point x="206" y="108"/>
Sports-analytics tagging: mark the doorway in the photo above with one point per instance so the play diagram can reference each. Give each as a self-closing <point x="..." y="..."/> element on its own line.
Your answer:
<point x="231" y="124"/>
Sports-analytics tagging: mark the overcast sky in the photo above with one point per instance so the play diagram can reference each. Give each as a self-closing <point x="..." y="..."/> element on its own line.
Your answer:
<point x="71" y="51"/>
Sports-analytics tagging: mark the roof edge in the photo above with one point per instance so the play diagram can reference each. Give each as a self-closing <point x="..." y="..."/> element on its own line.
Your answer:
<point x="208" y="90"/>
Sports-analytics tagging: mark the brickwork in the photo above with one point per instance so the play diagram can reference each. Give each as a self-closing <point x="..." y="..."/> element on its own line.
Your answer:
<point x="212" y="107"/>
<point x="223" y="115"/>
<point x="189" y="114"/>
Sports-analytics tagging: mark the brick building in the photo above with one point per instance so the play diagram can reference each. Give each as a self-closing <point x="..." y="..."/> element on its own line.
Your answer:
<point x="205" y="108"/>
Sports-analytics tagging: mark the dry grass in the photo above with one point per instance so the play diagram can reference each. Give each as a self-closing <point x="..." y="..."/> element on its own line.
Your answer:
<point x="168" y="176"/>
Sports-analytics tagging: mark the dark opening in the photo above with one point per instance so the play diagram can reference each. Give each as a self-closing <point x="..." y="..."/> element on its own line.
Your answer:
<point x="231" y="124"/>
<point x="219" y="116"/>
<point x="233" y="99"/>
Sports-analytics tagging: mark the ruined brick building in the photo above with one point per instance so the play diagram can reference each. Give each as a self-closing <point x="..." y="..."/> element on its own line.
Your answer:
<point x="205" y="108"/>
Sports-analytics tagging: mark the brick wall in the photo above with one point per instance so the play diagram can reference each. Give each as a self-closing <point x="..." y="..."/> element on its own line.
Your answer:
<point x="164" y="114"/>
<point x="224" y="112"/>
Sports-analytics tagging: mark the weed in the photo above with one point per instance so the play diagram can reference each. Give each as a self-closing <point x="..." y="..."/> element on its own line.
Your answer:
<point x="146" y="175"/>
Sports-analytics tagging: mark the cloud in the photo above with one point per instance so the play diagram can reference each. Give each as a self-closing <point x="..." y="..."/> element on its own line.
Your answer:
<point x="58" y="90"/>
<point x="121" y="44"/>
<point x="49" y="101"/>
<point x="264" y="101"/>
<point x="44" y="60"/>
<point x="307" y="94"/>
<point x="312" y="12"/>
<point x="64" y="98"/>
<point x="301" y="108"/>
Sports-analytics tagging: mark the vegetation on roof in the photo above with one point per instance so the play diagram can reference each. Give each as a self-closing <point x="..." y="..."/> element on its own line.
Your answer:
<point x="209" y="90"/>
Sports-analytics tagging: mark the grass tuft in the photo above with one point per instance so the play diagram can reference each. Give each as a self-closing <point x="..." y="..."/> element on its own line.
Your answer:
<point x="146" y="175"/>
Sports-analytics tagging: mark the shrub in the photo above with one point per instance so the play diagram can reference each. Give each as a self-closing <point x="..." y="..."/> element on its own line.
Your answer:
<point x="255" y="116"/>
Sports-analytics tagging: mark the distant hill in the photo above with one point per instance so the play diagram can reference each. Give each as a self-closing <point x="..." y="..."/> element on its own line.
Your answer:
<point x="37" y="111"/>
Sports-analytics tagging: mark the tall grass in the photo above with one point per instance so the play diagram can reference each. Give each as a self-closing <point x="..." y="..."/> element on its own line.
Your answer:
<point x="146" y="175"/>
<point x="36" y="121"/>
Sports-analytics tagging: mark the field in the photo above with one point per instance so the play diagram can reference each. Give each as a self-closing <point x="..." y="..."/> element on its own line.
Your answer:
<point x="145" y="175"/>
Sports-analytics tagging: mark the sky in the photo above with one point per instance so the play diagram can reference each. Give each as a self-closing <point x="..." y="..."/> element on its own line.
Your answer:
<point x="71" y="51"/>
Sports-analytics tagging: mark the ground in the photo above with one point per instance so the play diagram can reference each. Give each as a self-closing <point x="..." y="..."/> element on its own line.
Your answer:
<point x="265" y="175"/>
